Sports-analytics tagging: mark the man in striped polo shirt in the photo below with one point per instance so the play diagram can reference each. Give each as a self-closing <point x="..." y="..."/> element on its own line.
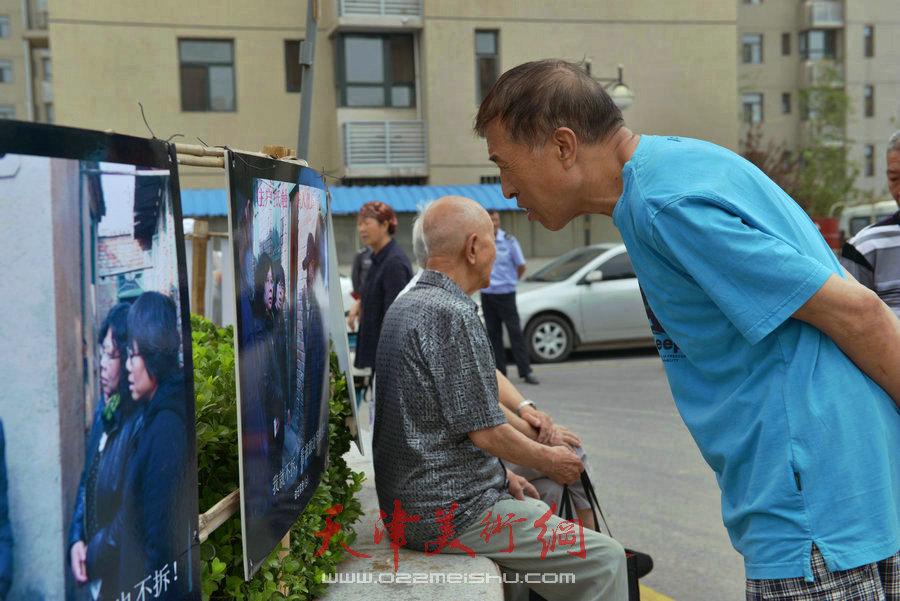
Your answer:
<point x="873" y="255"/>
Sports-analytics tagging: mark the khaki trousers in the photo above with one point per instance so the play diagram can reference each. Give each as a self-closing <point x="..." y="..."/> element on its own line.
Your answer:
<point x="600" y="575"/>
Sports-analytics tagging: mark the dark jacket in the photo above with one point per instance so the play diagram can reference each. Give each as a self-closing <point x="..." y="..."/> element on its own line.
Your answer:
<point x="6" y="537"/>
<point x="141" y="487"/>
<point x="99" y="499"/>
<point x="390" y="272"/>
<point x="76" y="530"/>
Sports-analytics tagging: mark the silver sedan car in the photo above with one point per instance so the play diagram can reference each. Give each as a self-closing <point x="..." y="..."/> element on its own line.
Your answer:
<point x="587" y="298"/>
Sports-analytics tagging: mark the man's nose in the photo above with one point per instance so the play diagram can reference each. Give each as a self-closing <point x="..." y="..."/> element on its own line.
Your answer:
<point x="508" y="190"/>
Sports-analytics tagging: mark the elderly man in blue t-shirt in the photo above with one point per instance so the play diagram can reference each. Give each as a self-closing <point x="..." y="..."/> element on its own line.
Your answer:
<point x="784" y="370"/>
<point x="498" y="302"/>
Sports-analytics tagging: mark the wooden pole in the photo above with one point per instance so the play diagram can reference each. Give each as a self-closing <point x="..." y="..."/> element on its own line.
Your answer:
<point x="198" y="274"/>
<point x="219" y="513"/>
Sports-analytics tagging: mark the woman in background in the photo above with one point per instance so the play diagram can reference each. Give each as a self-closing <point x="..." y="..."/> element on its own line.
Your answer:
<point x="99" y="494"/>
<point x="389" y="273"/>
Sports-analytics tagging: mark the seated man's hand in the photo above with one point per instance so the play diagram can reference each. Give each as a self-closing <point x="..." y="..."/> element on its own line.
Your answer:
<point x="540" y="421"/>
<point x="563" y="436"/>
<point x="565" y="466"/>
<point x="519" y="487"/>
<point x="550" y="433"/>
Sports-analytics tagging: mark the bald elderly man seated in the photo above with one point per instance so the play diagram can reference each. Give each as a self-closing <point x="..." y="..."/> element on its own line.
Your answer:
<point x="439" y="433"/>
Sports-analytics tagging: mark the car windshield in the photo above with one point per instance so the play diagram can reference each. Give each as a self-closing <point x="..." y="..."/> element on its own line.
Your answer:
<point x="563" y="267"/>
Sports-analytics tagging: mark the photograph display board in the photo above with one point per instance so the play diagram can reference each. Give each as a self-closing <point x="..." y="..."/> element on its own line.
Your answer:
<point x="338" y="326"/>
<point x="97" y="406"/>
<point x="280" y="243"/>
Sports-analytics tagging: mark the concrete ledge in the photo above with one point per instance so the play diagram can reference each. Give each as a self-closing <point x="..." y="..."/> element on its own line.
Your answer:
<point x="374" y="579"/>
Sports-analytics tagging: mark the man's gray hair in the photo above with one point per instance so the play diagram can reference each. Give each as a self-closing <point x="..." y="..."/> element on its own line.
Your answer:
<point x="420" y="249"/>
<point x="533" y="99"/>
<point x="894" y="142"/>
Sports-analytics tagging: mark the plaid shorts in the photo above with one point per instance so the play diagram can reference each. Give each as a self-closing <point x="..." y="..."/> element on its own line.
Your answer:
<point x="873" y="582"/>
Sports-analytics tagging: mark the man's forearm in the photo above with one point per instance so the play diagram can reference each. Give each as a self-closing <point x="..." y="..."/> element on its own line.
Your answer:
<point x="518" y="423"/>
<point x="875" y="348"/>
<point x="862" y="326"/>
<point x="507" y="443"/>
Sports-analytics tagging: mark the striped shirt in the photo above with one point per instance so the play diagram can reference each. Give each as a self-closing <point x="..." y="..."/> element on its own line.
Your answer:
<point x="873" y="257"/>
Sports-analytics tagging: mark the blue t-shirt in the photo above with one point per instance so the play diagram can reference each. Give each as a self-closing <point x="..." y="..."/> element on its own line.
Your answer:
<point x="805" y="447"/>
<point x="505" y="272"/>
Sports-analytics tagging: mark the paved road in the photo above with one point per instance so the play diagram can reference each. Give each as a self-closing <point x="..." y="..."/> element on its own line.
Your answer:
<point x="658" y="494"/>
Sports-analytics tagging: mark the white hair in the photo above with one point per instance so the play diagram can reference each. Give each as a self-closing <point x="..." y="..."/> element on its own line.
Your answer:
<point x="894" y="142"/>
<point x="420" y="248"/>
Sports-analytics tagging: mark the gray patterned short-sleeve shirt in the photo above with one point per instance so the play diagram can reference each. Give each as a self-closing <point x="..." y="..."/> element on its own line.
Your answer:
<point x="436" y="383"/>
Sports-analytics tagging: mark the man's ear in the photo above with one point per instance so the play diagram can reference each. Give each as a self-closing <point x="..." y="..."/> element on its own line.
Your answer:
<point x="564" y="143"/>
<point x="471" y="248"/>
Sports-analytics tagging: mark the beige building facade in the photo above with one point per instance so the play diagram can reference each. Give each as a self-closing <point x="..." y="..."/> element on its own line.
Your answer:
<point x="786" y="46"/>
<point x="397" y="84"/>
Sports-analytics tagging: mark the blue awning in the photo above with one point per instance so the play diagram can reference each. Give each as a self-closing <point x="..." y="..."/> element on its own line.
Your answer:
<point x="204" y="203"/>
<point x="348" y="199"/>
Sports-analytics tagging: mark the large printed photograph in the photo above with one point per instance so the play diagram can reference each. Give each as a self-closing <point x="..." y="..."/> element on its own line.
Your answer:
<point x="97" y="425"/>
<point x="280" y="245"/>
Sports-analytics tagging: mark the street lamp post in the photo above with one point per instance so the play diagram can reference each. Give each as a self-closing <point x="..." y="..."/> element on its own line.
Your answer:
<point x="618" y="91"/>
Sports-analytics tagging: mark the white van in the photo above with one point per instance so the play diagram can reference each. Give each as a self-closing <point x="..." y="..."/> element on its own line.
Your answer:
<point x="855" y="218"/>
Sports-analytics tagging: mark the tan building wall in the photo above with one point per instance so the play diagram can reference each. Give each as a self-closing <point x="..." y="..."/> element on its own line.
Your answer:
<point x="882" y="72"/>
<point x="680" y="85"/>
<point x="110" y="57"/>
<point x="107" y="58"/>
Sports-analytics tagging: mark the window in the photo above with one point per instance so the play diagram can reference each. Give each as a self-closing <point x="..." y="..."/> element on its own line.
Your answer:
<point x="869" y="154"/>
<point x="207" y="75"/>
<point x="293" y="74"/>
<point x="49" y="113"/>
<point x="4" y="26"/>
<point x="869" y="101"/>
<point x="490" y="179"/>
<point x="786" y="103"/>
<point x="377" y="70"/>
<point x="817" y="44"/>
<point x="5" y="71"/>
<point x="753" y="107"/>
<point x="868" y="41"/>
<point x="47" y="68"/>
<point x="751" y="50"/>
<point x="486" y="63"/>
<point x="751" y="1"/>
<point x="785" y="44"/>
<point x="7" y="112"/>
<point x="617" y="268"/>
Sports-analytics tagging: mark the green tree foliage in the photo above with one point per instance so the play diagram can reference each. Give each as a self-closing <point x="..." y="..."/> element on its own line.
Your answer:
<point x="821" y="175"/>
<point x="298" y="576"/>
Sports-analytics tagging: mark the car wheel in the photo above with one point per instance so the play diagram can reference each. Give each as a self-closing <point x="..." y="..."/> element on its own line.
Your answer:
<point x="549" y="339"/>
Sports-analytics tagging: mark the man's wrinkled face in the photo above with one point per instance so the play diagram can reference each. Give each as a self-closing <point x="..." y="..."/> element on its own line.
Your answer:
<point x="893" y="174"/>
<point x="530" y="176"/>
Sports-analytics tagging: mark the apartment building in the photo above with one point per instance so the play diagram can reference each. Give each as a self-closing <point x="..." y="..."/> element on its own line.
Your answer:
<point x="786" y="46"/>
<point x="26" y="88"/>
<point x="397" y="82"/>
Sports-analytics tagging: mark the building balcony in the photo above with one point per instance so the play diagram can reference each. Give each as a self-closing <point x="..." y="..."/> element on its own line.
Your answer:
<point x="380" y="14"/>
<point x="385" y="149"/>
<point x="819" y="73"/>
<point x="821" y="14"/>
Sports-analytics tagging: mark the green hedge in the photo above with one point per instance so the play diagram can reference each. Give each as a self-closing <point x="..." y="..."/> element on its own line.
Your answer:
<point x="299" y="575"/>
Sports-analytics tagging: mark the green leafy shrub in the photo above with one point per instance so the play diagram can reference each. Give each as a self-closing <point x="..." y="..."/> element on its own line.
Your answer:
<point x="299" y="575"/>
